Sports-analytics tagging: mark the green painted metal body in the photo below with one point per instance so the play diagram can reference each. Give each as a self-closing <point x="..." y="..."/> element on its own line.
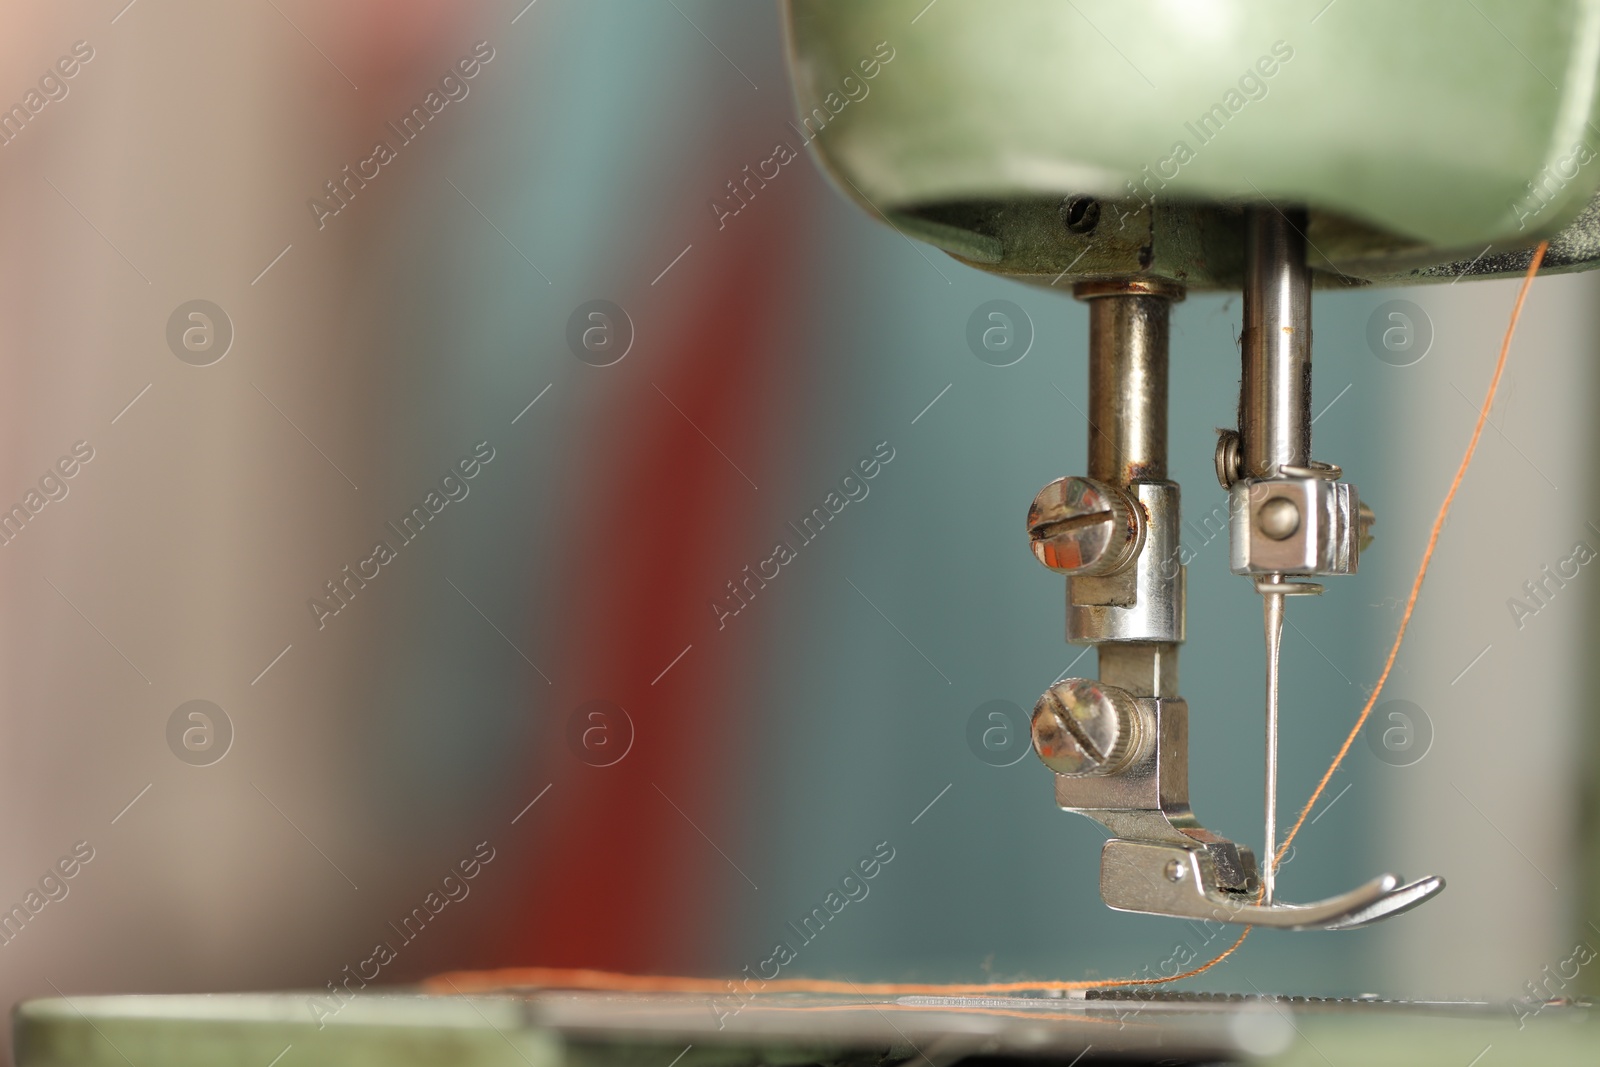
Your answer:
<point x="1417" y="132"/>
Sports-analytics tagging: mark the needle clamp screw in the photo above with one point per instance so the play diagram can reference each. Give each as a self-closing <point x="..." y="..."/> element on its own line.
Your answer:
<point x="1077" y="526"/>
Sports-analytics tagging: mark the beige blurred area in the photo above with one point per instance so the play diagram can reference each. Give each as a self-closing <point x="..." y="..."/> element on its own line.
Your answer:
<point x="1501" y="804"/>
<point x="177" y="167"/>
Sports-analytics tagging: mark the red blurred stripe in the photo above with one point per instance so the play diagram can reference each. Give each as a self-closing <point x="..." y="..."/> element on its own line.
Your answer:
<point x="622" y="880"/>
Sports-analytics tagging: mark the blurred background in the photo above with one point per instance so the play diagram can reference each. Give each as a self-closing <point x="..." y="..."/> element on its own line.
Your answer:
<point x="544" y="276"/>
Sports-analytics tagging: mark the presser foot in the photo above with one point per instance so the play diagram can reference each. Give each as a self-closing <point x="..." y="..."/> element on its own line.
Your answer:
<point x="1160" y="859"/>
<point x="1180" y="882"/>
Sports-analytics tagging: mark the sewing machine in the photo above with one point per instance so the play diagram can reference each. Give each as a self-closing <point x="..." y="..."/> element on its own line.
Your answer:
<point x="1025" y="142"/>
<point x="1031" y="140"/>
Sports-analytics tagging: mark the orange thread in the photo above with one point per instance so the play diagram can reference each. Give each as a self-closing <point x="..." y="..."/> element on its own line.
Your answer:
<point x="1427" y="555"/>
<point x="611" y="982"/>
<point x="614" y="982"/>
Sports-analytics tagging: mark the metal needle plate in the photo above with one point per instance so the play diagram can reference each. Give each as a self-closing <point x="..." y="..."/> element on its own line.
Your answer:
<point x="530" y="1028"/>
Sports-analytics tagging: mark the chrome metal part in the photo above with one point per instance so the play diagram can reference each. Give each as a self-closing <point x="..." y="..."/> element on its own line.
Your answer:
<point x="1135" y="876"/>
<point x="1148" y="800"/>
<point x="1275" y="389"/>
<point x="1290" y="515"/>
<point x="1082" y="527"/>
<point x="1119" y="744"/>
<point x="1083" y="728"/>
<point x="1144" y="602"/>
<point x="1145" y="670"/>
<point x="1272" y="613"/>
<point x="1315" y="469"/>
<point x="1400" y="899"/>
<point x="1149" y="797"/>
<point x="1227" y="458"/>
<point x="1278" y="518"/>
<point x="1325" y="537"/>
<point x="1128" y="335"/>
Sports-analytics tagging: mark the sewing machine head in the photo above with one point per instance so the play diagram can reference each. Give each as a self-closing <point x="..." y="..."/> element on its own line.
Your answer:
<point x="1237" y="146"/>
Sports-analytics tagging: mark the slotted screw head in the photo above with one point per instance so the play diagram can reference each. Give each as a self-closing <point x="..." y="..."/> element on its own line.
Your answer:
<point x="1077" y="526"/>
<point x="1082" y="728"/>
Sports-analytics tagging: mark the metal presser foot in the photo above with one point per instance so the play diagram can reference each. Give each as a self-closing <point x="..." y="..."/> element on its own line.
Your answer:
<point x="1119" y="744"/>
